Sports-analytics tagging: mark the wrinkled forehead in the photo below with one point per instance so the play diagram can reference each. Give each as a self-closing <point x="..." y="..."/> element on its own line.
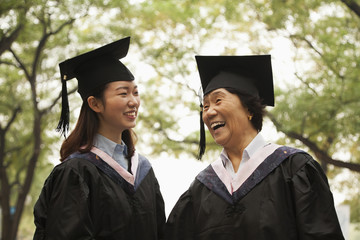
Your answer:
<point x="215" y="93"/>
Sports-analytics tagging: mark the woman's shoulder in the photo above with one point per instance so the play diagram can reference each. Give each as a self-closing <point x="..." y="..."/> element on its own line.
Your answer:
<point x="75" y="164"/>
<point x="300" y="161"/>
<point x="78" y="160"/>
<point x="142" y="158"/>
<point x="75" y="171"/>
<point x="204" y="175"/>
<point x="298" y="158"/>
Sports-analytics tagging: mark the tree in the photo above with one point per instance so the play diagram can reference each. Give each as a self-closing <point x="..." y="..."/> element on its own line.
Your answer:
<point x="326" y="104"/>
<point x="30" y="34"/>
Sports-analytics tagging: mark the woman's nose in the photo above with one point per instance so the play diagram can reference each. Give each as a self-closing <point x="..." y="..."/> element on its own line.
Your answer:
<point x="134" y="101"/>
<point x="210" y="112"/>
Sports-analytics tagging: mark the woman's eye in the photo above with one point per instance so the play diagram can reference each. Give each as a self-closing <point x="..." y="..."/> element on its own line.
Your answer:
<point x="218" y="100"/>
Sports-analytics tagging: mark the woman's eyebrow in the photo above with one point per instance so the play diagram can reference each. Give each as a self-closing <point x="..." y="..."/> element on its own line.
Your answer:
<point x="121" y="88"/>
<point x="125" y="87"/>
<point x="213" y="94"/>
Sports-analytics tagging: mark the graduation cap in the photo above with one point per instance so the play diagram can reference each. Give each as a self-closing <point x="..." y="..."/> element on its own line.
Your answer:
<point x="92" y="70"/>
<point x="251" y="75"/>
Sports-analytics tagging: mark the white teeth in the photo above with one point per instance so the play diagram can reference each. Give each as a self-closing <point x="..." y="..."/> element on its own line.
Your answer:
<point x="131" y="114"/>
<point x="215" y="124"/>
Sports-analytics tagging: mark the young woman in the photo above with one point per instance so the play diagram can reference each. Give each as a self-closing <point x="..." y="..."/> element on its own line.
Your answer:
<point x="255" y="190"/>
<point x="103" y="189"/>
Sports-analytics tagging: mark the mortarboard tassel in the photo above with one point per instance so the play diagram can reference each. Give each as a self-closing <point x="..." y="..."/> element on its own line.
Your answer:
<point x="63" y="125"/>
<point x="202" y="144"/>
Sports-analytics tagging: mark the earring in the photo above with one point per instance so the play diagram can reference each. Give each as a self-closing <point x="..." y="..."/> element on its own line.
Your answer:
<point x="250" y="117"/>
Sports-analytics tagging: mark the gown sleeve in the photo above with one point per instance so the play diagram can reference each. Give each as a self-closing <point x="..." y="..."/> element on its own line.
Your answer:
<point x="314" y="205"/>
<point x="62" y="210"/>
<point x="160" y="212"/>
<point x="181" y="222"/>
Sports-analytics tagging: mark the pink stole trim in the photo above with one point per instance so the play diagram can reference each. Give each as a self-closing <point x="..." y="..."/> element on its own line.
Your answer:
<point x="130" y="178"/>
<point x="245" y="171"/>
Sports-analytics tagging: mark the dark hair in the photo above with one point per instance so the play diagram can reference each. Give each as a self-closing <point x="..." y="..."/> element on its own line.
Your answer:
<point x="254" y="106"/>
<point x="81" y="138"/>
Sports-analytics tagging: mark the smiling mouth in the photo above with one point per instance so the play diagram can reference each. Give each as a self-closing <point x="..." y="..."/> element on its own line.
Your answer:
<point x="131" y="114"/>
<point x="217" y="125"/>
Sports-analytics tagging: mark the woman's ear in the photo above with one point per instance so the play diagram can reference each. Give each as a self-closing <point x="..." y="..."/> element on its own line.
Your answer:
<point x="95" y="104"/>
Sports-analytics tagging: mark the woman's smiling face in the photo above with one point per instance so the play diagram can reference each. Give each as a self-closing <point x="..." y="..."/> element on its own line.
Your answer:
<point x="119" y="107"/>
<point x="226" y="117"/>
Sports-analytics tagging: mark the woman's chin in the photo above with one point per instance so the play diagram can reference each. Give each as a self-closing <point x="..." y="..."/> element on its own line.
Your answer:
<point x="221" y="138"/>
<point x="220" y="141"/>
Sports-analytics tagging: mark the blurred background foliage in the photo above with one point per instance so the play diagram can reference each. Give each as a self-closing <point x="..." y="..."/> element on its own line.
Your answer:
<point x="316" y="61"/>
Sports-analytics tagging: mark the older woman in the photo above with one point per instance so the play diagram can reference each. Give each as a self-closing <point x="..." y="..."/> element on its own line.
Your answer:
<point x="255" y="190"/>
<point x="103" y="189"/>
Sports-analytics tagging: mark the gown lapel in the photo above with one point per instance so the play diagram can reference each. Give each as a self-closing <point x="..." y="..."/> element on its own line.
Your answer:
<point x="129" y="182"/>
<point x="216" y="178"/>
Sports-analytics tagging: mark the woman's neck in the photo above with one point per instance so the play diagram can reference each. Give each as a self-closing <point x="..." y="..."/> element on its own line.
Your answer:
<point x="112" y="135"/>
<point x="236" y="151"/>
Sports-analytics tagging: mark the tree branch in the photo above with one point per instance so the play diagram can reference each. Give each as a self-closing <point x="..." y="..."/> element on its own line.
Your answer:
<point x="22" y="66"/>
<point x="6" y="42"/>
<point x="353" y="6"/>
<point x="12" y="119"/>
<point x="319" y="153"/>
<point x="306" y="83"/>
<point x="55" y="102"/>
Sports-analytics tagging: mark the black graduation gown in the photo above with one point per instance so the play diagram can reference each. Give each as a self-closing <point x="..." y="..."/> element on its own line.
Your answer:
<point x="84" y="198"/>
<point x="286" y="197"/>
